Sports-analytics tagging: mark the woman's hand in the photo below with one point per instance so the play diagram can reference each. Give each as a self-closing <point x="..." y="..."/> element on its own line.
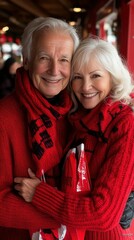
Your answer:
<point x="26" y="186"/>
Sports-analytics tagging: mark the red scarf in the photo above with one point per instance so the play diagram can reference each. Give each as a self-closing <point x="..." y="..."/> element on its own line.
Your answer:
<point x="42" y="122"/>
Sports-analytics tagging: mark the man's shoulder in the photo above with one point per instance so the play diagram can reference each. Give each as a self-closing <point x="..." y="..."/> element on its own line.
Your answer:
<point x="10" y="107"/>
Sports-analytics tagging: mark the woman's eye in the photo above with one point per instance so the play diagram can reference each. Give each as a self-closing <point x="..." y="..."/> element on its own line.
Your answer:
<point x="95" y="76"/>
<point x="76" y="77"/>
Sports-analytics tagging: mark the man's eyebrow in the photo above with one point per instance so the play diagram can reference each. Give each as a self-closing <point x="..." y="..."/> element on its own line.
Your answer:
<point x="65" y="55"/>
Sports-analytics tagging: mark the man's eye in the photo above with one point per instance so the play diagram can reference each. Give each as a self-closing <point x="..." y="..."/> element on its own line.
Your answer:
<point x="44" y="58"/>
<point x="64" y="60"/>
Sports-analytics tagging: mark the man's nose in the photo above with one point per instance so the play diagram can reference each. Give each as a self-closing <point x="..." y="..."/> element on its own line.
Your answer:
<point x="54" y="67"/>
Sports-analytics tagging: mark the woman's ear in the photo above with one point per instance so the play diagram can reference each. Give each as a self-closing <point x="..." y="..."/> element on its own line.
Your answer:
<point x="26" y="64"/>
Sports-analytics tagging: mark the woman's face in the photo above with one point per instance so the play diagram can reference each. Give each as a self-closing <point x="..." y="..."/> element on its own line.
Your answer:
<point x="50" y="63"/>
<point x="91" y="84"/>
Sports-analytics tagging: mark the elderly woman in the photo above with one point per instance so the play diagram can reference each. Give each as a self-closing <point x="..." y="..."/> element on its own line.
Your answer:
<point x="33" y="122"/>
<point x="102" y="119"/>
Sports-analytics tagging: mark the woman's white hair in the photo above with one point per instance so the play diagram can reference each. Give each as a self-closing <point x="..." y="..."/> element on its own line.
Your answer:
<point x="107" y="55"/>
<point x="46" y="23"/>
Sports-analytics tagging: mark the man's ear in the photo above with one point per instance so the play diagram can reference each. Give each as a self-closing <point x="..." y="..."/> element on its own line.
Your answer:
<point x="26" y="64"/>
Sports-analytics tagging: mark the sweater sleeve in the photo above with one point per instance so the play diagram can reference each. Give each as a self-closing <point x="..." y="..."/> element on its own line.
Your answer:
<point x="102" y="209"/>
<point x="14" y="211"/>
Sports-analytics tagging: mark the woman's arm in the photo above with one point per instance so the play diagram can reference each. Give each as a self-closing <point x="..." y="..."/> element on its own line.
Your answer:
<point x="103" y="208"/>
<point x="26" y="188"/>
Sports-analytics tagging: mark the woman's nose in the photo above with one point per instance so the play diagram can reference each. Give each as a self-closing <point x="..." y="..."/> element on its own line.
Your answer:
<point x="86" y="84"/>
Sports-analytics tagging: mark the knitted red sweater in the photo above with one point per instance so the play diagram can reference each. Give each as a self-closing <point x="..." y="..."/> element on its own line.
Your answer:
<point x="108" y="134"/>
<point x="17" y="216"/>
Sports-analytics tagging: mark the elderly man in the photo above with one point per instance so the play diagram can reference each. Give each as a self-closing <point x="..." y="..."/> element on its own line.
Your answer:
<point x="33" y="122"/>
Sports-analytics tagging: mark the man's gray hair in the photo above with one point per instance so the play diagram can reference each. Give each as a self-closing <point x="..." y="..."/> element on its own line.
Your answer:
<point x="46" y="23"/>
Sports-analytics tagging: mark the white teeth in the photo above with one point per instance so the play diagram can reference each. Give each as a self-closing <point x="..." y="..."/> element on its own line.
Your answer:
<point x="89" y="95"/>
<point x="52" y="81"/>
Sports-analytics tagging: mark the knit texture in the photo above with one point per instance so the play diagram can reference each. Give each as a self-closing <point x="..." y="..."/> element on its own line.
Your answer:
<point x="42" y="122"/>
<point x="15" y="159"/>
<point x="108" y="134"/>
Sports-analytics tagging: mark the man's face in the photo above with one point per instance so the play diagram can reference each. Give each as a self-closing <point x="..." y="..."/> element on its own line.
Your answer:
<point x="50" y="62"/>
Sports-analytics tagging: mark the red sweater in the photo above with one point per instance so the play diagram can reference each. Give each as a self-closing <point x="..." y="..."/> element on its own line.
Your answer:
<point x="108" y="134"/>
<point x="15" y="159"/>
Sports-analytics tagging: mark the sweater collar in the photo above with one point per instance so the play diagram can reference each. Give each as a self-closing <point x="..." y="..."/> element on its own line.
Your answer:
<point x="98" y="118"/>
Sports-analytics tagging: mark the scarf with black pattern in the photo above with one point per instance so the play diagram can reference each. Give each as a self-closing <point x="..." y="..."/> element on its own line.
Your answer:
<point x="43" y="117"/>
